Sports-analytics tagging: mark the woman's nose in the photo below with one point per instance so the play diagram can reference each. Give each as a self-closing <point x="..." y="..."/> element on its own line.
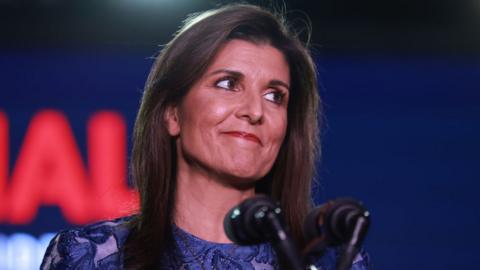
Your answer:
<point x="251" y="108"/>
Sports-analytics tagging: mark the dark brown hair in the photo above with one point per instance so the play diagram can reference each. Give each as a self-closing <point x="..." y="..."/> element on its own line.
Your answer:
<point x="179" y="65"/>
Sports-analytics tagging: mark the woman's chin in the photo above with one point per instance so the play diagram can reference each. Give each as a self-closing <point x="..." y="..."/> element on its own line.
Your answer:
<point x="243" y="177"/>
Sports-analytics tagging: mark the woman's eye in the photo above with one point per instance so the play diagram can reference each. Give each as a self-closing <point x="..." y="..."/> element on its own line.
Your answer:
<point x="226" y="83"/>
<point x="275" y="96"/>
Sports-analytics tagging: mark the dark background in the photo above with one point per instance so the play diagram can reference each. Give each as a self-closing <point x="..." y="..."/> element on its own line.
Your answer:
<point x="400" y="83"/>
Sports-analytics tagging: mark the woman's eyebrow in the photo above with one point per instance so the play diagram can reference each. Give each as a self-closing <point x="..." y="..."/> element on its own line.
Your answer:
<point x="233" y="73"/>
<point x="238" y="74"/>
<point x="279" y="83"/>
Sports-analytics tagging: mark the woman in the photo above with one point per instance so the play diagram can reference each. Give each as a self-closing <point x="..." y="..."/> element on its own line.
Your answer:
<point x="229" y="110"/>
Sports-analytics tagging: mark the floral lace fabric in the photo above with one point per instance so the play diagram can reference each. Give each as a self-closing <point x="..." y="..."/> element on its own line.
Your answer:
<point x="99" y="246"/>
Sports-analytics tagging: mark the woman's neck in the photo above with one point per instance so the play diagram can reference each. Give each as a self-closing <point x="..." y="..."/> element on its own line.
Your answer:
<point x="201" y="203"/>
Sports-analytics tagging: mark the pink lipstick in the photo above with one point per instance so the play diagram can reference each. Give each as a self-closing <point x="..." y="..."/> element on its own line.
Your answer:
<point x="244" y="135"/>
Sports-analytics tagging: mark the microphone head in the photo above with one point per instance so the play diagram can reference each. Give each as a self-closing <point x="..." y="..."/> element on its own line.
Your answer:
<point x="243" y="224"/>
<point x="335" y="221"/>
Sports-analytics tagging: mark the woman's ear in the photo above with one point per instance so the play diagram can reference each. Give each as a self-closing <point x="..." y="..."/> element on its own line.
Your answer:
<point x="172" y="121"/>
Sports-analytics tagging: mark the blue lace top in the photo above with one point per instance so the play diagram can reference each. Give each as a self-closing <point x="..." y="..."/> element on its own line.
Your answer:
<point x="99" y="246"/>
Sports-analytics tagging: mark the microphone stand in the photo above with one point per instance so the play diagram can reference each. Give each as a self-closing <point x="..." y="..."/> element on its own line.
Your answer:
<point x="283" y="244"/>
<point x="344" y="223"/>
<point x="352" y="247"/>
<point x="257" y="220"/>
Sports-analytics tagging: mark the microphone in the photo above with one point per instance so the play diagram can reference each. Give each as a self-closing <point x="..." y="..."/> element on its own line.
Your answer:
<point x="340" y="222"/>
<point x="259" y="219"/>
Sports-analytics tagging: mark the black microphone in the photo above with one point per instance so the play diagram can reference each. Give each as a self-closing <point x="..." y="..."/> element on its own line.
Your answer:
<point x="259" y="219"/>
<point x="340" y="222"/>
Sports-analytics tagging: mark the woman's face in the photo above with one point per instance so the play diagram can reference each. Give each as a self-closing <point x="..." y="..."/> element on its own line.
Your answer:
<point x="233" y="120"/>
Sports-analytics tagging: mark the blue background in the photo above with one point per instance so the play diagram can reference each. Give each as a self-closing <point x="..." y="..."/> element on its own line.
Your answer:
<point x="401" y="134"/>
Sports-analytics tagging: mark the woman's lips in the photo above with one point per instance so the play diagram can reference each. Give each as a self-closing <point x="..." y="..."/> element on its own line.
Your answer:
<point x="244" y="135"/>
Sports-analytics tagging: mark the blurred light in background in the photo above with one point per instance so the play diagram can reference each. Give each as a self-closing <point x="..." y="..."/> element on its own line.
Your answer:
<point x="151" y="3"/>
<point x="144" y="8"/>
<point x="22" y="251"/>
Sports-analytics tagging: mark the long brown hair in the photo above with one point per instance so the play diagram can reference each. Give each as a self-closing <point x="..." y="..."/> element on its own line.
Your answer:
<point x="178" y="66"/>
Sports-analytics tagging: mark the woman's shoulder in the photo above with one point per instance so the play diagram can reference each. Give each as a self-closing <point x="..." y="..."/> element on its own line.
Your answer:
<point x="94" y="246"/>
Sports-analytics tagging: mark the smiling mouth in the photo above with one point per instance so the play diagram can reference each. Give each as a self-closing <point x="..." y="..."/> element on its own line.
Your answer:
<point x="244" y="135"/>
